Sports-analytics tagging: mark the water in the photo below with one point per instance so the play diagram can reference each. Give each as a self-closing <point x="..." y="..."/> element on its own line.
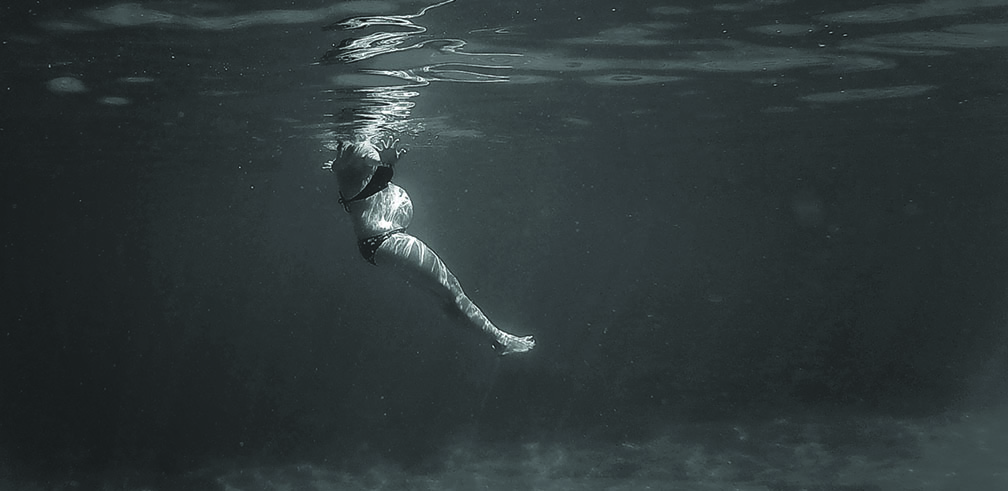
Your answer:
<point x="760" y="245"/>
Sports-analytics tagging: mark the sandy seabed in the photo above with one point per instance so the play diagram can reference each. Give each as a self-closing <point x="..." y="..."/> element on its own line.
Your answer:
<point x="967" y="451"/>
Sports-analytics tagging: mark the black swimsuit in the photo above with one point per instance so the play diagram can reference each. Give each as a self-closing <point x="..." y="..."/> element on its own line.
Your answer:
<point x="369" y="246"/>
<point x="379" y="181"/>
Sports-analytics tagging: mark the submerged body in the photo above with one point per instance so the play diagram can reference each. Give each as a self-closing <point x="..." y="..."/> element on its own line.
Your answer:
<point x="381" y="211"/>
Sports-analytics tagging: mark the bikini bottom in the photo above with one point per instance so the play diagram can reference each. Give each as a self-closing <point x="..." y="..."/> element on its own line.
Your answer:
<point x="369" y="246"/>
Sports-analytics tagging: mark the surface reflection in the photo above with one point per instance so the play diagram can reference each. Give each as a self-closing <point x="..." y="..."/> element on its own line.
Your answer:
<point x="376" y="98"/>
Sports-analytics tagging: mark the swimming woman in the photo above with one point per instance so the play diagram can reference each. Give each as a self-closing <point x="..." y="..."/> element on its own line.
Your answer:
<point x="381" y="211"/>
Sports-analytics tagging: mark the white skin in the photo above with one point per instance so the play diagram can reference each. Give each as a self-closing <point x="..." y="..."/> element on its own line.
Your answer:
<point x="391" y="209"/>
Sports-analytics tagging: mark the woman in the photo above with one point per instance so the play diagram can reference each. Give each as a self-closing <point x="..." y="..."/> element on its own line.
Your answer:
<point x="381" y="211"/>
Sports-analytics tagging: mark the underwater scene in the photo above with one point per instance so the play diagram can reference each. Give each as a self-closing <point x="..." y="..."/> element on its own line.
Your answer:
<point x="684" y="245"/>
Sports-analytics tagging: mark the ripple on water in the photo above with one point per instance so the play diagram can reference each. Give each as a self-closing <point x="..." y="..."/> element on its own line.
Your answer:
<point x="113" y="101"/>
<point x="878" y="93"/>
<point x="136" y="80"/>
<point x="669" y="10"/>
<point x="66" y="85"/>
<point x="631" y="79"/>
<point x="784" y="29"/>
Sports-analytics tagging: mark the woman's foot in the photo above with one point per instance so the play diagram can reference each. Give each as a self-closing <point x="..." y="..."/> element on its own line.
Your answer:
<point x="513" y="344"/>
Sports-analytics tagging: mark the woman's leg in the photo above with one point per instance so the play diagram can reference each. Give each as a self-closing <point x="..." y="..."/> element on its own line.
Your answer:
<point x="411" y="256"/>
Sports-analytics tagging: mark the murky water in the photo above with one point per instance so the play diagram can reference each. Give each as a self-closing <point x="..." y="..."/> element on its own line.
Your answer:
<point x="759" y="244"/>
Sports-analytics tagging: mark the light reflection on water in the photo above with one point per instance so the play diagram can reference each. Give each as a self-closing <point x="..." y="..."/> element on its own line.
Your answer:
<point x="379" y="99"/>
<point x="379" y="69"/>
<point x="653" y="53"/>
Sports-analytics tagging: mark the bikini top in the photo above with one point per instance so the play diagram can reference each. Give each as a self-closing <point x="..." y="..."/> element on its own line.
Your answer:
<point x="379" y="181"/>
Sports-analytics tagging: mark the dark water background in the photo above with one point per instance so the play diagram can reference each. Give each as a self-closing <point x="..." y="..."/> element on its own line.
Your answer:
<point x="707" y="214"/>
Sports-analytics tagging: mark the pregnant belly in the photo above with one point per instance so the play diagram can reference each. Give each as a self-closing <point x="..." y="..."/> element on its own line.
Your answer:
<point x="383" y="215"/>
